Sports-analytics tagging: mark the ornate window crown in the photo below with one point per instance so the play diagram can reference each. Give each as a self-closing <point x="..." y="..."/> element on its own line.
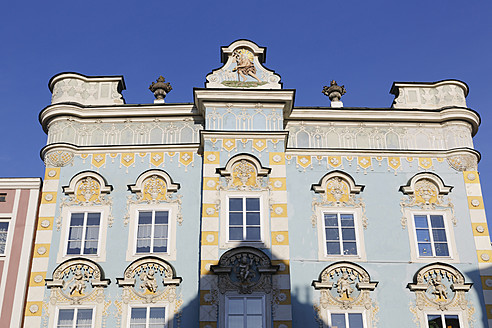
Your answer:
<point x="87" y="188"/>
<point x="244" y="172"/>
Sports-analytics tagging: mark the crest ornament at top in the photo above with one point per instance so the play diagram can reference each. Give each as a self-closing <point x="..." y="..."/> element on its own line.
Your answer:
<point x="334" y="91"/>
<point x="160" y="88"/>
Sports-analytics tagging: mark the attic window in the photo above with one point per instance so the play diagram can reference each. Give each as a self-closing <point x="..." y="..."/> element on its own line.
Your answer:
<point x="3" y="197"/>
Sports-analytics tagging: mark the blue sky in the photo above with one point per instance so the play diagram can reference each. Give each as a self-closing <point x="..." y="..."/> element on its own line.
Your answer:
<point x="365" y="45"/>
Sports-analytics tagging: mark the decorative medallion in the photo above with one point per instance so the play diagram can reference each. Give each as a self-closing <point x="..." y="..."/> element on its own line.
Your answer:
<point x="58" y="158"/>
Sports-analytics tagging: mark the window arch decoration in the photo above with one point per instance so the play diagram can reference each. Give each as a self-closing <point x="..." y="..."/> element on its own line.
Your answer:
<point x="154" y="187"/>
<point x="426" y="191"/>
<point x="345" y="286"/>
<point x="440" y="287"/>
<point x="244" y="172"/>
<point x="337" y="189"/>
<point x="149" y="280"/>
<point x="87" y="189"/>
<point x="76" y="281"/>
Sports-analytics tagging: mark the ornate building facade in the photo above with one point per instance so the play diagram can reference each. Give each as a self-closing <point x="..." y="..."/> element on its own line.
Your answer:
<point x="242" y="210"/>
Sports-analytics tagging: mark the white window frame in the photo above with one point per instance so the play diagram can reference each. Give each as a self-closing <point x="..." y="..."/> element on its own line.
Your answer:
<point x="127" y="311"/>
<point x="9" y="233"/>
<point x="166" y="310"/>
<point x="153" y="211"/>
<point x="264" y="241"/>
<point x="225" y="304"/>
<point x="346" y="313"/>
<point x="65" y="229"/>
<point x="359" y="233"/>
<point x="442" y="314"/>
<point x="172" y="209"/>
<point x="76" y="308"/>
<point x="448" y="226"/>
<point x="84" y="230"/>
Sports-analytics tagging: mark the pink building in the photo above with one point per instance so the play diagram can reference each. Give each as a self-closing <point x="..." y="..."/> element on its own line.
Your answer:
<point x="19" y="199"/>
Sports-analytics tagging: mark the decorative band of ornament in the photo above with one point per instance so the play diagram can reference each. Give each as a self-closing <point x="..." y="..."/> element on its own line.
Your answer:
<point x="58" y="158"/>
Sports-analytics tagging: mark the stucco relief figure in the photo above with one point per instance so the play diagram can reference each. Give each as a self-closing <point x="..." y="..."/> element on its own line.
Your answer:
<point x="245" y="65"/>
<point x="148" y="281"/>
<point x="344" y="287"/>
<point x="77" y="282"/>
<point x="243" y="270"/>
<point x="438" y="288"/>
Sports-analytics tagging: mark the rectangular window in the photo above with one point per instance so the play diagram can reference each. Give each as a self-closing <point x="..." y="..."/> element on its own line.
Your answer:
<point x="443" y="321"/>
<point x="340" y="237"/>
<point x="244" y="219"/>
<point x="4" y="229"/>
<point x="3" y="198"/>
<point x="74" y="318"/>
<point x="83" y="234"/>
<point x="245" y="312"/>
<point x="148" y="317"/>
<point x="345" y="320"/>
<point x="431" y="235"/>
<point x="152" y="232"/>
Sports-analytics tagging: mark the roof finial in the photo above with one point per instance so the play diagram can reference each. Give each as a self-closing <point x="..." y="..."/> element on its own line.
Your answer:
<point x="334" y="92"/>
<point x="160" y="89"/>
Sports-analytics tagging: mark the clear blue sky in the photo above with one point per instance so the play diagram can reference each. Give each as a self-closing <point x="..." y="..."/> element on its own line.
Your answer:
<point x="365" y="45"/>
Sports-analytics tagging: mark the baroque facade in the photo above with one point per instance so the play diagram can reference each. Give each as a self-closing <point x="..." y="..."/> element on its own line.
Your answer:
<point x="242" y="210"/>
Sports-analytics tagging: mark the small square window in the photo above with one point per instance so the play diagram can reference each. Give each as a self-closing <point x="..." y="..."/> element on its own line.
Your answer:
<point x="83" y="233"/>
<point x="244" y="219"/>
<point x="3" y="197"/>
<point x="148" y="317"/>
<point x="75" y="318"/>
<point x="152" y="232"/>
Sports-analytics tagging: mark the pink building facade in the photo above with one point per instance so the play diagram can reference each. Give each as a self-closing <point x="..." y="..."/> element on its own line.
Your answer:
<point x="19" y="199"/>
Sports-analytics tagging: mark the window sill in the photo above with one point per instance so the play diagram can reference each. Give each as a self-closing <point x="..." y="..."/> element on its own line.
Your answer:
<point x="238" y="243"/>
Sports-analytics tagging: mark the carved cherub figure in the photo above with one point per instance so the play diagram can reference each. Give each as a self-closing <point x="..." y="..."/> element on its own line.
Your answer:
<point x="78" y="282"/>
<point x="243" y="269"/>
<point x="438" y="288"/>
<point x="148" y="281"/>
<point x="344" y="288"/>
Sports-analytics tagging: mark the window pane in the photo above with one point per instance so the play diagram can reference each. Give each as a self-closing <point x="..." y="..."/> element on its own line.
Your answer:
<point x="333" y="248"/>
<point x="4" y="226"/>
<point x="332" y="234"/>
<point x="236" y="321"/>
<point x="423" y="235"/>
<point x="138" y="317"/>
<point x="254" y="305"/>
<point x="349" y="248"/>
<point x="74" y="247"/>
<point x="235" y="218"/>
<point x="143" y="246"/>
<point x="65" y="318"/>
<point x="93" y="219"/>
<point x="157" y="316"/>
<point x="439" y="234"/>
<point x="434" y="321"/>
<point x="420" y="221"/>
<point x="160" y="245"/>
<point x="77" y="219"/>
<point x="252" y="204"/>
<point x="348" y="234"/>
<point x="144" y="217"/>
<point x="452" y="321"/>
<point x="161" y="217"/>
<point x="144" y="231"/>
<point x="235" y="204"/>
<point x="236" y="233"/>
<point x="338" y="320"/>
<point x="347" y="220"/>
<point x="90" y="247"/>
<point x="84" y="318"/>
<point x="253" y="218"/>
<point x="92" y="233"/>
<point x="160" y="231"/>
<point x="253" y="233"/>
<point x="441" y="249"/>
<point x="236" y="306"/>
<point x="331" y="220"/>
<point x="254" y="321"/>
<point x="425" y="249"/>
<point x="355" y="320"/>
<point x="437" y="221"/>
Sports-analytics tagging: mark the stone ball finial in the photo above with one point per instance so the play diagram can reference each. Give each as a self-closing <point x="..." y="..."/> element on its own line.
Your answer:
<point x="334" y="91"/>
<point x="160" y="89"/>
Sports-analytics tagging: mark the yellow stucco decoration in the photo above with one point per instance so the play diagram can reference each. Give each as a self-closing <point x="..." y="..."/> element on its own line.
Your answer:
<point x="426" y="192"/>
<point x="259" y="144"/>
<point x="244" y="174"/>
<point x="88" y="190"/>
<point x="229" y="144"/>
<point x="364" y="162"/>
<point x="337" y="190"/>
<point x="156" y="158"/>
<point x="425" y="163"/>
<point x="185" y="158"/>
<point x="335" y="161"/>
<point x="154" y="189"/>
<point x="304" y="161"/>
<point x="98" y="160"/>
<point x="127" y="159"/>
